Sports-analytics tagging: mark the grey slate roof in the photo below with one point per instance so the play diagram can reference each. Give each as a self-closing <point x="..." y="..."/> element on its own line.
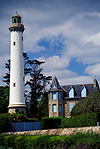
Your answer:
<point x="56" y="84"/>
<point x="77" y="88"/>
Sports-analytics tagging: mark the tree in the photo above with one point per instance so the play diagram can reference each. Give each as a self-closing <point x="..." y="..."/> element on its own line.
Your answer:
<point x="90" y="104"/>
<point x="7" y="65"/>
<point x="43" y="106"/>
<point x="7" y="76"/>
<point x="4" y="99"/>
<point x="37" y="85"/>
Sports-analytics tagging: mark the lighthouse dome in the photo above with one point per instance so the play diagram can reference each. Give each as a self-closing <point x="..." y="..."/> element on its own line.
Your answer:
<point x="16" y="18"/>
<point x="16" y="24"/>
<point x="16" y="15"/>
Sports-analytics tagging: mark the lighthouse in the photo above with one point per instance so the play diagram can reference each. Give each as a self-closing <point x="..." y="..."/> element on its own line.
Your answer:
<point x="17" y="99"/>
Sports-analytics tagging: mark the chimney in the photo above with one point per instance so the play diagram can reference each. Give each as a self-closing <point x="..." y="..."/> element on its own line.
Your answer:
<point x="95" y="82"/>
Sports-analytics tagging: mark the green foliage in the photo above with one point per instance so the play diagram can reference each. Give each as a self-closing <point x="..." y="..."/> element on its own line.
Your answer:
<point x="37" y="84"/>
<point x="4" y="123"/>
<point x="7" y="76"/>
<point x="4" y="99"/>
<point x="6" y="119"/>
<point x="90" y="140"/>
<point x="43" y="106"/>
<point x="51" y="123"/>
<point x="2" y="140"/>
<point x="81" y="121"/>
<point x="90" y="104"/>
<point x="20" y="142"/>
<point x="9" y="141"/>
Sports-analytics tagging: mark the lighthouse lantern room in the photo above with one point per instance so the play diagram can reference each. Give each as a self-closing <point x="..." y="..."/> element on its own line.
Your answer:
<point x="16" y="100"/>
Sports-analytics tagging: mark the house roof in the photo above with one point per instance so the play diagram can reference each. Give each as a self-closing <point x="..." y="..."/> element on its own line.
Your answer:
<point x="55" y="85"/>
<point x="77" y="88"/>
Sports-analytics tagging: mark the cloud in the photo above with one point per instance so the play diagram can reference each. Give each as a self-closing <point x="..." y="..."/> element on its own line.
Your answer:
<point x="54" y="62"/>
<point x="74" y="24"/>
<point x="76" y="80"/>
<point x="93" y="70"/>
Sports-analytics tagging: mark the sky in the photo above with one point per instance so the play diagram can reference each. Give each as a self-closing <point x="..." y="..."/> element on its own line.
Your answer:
<point x="65" y="34"/>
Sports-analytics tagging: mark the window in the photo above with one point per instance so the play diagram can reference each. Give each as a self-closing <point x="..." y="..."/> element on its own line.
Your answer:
<point x="14" y="20"/>
<point x="58" y="86"/>
<point x="60" y="108"/>
<point x="54" y="95"/>
<point x="14" y="43"/>
<point x="49" y="96"/>
<point x="59" y="94"/>
<point x="83" y="91"/>
<point x="22" y="38"/>
<point x="14" y="84"/>
<point x="71" y="106"/>
<point x="71" y="92"/>
<point x="54" y="86"/>
<point x="54" y="108"/>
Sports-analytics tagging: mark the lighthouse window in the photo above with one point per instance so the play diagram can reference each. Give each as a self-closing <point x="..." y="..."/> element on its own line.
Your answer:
<point x="14" y="84"/>
<point x="22" y="38"/>
<point x="14" y="43"/>
<point x="14" y="20"/>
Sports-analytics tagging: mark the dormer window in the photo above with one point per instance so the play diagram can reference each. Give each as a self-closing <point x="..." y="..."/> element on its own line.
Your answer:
<point x="58" y="86"/>
<point x="71" y="92"/>
<point x="54" y="86"/>
<point x="83" y="91"/>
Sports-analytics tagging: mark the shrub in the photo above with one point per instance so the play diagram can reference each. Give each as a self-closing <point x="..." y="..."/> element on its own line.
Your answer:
<point x="20" y="142"/>
<point x="51" y="123"/>
<point x="6" y="119"/>
<point x="79" y="140"/>
<point x="90" y="104"/>
<point x="4" y="123"/>
<point x="81" y="121"/>
<point x="9" y="141"/>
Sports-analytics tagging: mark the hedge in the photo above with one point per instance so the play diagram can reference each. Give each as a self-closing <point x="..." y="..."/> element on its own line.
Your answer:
<point x="51" y="123"/>
<point x="79" y="140"/>
<point x="81" y="121"/>
<point x="6" y="119"/>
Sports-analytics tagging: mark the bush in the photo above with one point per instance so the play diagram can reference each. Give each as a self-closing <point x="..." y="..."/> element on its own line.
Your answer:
<point x="79" y="140"/>
<point x="51" y="123"/>
<point x="9" y="141"/>
<point x="4" y="123"/>
<point x="89" y="104"/>
<point x="6" y="119"/>
<point x="81" y="121"/>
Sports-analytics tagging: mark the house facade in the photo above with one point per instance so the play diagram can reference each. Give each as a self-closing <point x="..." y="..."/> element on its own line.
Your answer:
<point x="63" y="98"/>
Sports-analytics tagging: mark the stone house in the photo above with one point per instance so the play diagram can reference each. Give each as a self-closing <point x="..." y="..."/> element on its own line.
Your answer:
<point x="63" y="98"/>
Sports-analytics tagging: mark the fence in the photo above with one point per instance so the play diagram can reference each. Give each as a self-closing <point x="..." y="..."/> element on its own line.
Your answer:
<point x="24" y="126"/>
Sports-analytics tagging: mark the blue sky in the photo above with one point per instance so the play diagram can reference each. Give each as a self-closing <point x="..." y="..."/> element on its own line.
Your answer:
<point x="65" y="34"/>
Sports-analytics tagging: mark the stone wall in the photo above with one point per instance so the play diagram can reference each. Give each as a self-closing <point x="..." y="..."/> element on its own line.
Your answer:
<point x="65" y="131"/>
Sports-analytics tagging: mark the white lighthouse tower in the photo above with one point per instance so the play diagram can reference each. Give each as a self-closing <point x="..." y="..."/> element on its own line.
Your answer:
<point x="17" y="100"/>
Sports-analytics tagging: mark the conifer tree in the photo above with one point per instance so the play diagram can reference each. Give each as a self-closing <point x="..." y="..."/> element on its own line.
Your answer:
<point x="37" y="85"/>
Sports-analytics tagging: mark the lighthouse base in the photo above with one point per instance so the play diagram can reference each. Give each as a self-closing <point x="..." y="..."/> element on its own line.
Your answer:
<point x="14" y="107"/>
